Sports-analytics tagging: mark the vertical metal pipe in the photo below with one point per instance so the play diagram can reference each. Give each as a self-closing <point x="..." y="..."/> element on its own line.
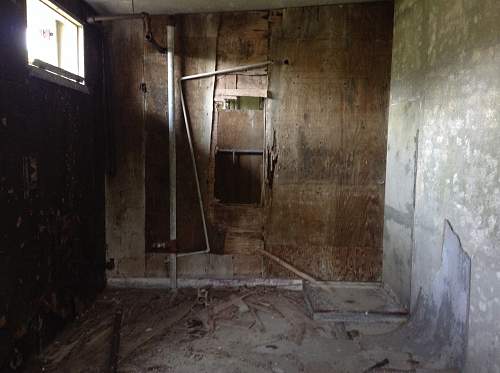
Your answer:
<point x="171" y="151"/>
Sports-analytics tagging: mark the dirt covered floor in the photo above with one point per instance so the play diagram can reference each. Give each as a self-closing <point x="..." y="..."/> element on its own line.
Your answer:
<point x="217" y="330"/>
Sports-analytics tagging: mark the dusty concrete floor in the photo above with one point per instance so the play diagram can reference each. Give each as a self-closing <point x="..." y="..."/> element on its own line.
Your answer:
<point x="241" y="330"/>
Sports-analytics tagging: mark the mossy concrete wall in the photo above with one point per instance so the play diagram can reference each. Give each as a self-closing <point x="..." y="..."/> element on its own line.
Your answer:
<point x="444" y="155"/>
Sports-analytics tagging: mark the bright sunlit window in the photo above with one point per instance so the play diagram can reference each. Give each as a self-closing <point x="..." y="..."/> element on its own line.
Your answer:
<point x="54" y="40"/>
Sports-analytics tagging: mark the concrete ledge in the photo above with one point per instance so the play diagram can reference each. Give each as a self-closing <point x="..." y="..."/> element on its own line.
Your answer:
<point x="353" y="302"/>
<point x="164" y="283"/>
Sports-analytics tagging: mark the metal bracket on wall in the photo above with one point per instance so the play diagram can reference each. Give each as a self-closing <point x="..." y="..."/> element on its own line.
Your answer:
<point x="146" y="18"/>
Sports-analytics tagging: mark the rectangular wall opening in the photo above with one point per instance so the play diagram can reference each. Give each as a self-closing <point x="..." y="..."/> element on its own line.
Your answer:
<point x="239" y="151"/>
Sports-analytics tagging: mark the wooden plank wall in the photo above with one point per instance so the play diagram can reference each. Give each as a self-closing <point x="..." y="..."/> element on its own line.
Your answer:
<point x="125" y="191"/>
<point x="238" y="177"/>
<point x="243" y="39"/>
<point x="328" y="119"/>
<point x="250" y="44"/>
<point x="325" y="141"/>
<point x="197" y="45"/>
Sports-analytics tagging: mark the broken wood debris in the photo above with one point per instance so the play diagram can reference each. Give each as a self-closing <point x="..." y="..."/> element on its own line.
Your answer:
<point x="269" y="308"/>
<point x="291" y="268"/>
<point x="203" y="297"/>
<point x="241" y="304"/>
<point x="115" y="343"/>
<point x="380" y="364"/>
<point x="187" y="341"/>
<point x="176" y="315"/>
<point x="238" y="302"/>
<point x="209" y="314"/>
<point x="259" y="322"/>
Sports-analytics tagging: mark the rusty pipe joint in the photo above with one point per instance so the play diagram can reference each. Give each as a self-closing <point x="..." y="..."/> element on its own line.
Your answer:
<point x="146" y="19"/>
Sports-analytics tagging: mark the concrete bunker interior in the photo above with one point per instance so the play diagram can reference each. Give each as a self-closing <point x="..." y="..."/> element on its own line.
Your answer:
<point x="308" y="186"/>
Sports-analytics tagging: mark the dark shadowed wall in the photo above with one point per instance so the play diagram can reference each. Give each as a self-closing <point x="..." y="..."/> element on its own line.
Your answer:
<point x="51" y="189"/>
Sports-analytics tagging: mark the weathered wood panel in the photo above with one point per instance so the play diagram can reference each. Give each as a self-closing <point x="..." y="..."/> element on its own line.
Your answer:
<point x="248" y="265"/>
<point x="327" y="116"/>
<point x="328" y="263"/>
<point x="239" y="218"/>
<point x="240" y="241"/>
<point x="243" y="129"/>
<point x="125" y="191"/>
<point x="325" y="125"/>
<point x="197" y="46"/>
<point x="238" y="178"/>
<point x="243" y="39"/>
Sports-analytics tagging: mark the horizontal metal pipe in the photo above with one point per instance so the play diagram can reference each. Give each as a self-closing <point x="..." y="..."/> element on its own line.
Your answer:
<point x="147" y="22"/>
<point x="118" y="17"/>
<point x="227" y="71"/>
<point x="206" y="251"/>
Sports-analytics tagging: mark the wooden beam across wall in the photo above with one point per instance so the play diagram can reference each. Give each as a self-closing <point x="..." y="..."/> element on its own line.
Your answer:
<point x="248" y="92"/>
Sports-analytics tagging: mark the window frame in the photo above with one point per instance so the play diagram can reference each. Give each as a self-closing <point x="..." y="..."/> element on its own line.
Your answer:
<point x="47" y="71"/>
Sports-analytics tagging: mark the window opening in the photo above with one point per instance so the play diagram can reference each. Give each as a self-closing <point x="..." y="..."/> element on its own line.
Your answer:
<point x="54" y="40"/>
<point x="239" y="150"/>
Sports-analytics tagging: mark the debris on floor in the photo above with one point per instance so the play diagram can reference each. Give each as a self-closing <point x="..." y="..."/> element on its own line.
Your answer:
<point x="230" y="330"/>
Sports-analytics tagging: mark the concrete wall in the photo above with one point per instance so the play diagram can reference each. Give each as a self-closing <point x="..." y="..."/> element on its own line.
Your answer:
<point x="446" y="89"/>
<point x="51" y="189"/>
<point x="405" y="114"/>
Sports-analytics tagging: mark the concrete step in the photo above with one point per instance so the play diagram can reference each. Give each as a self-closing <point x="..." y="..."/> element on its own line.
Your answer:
<point x="353" y="302"/>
